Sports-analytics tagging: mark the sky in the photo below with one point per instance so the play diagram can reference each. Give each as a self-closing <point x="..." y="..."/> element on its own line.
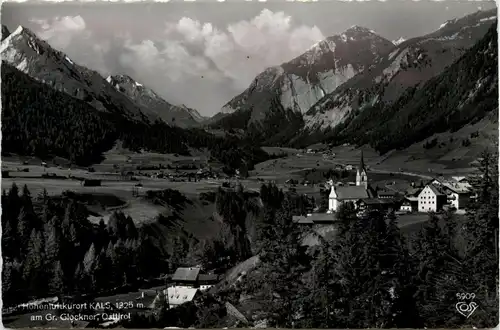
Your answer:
<point x="202" y="54"/>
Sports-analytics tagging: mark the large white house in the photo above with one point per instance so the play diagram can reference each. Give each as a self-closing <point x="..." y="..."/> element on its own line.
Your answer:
<point x="431" y="199"/>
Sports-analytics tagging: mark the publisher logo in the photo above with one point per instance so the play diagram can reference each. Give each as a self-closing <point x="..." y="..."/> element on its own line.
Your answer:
<point x="466" y="309"/>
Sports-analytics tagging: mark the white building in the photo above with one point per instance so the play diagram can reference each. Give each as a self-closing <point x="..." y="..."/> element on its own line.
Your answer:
<point x="406" y="206"/>
<point x="431" y="199"/>
<point x="179" y="295"/>
<point x="458" y="191"/>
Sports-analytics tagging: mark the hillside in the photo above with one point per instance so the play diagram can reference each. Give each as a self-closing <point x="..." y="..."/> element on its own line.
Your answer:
<point x="463" y="94"/>
<point x="146" y="98"/>
<point x="407" y="65"/>
<point x="38" y="120"/>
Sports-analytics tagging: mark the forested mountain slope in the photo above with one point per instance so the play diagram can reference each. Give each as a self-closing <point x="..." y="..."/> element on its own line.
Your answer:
<point x="35" y="57"/>
<point x="41" y="121"/>
<point x="463" y="94"/>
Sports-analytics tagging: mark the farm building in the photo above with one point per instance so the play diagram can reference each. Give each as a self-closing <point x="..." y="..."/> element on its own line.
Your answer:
<point x="206" y="281"/>
<point x="91" y="183"/>
<point x="186" y="276"/>
<point x="457" y="189"/>
<point x="386" y="194"/>
<point x="458" y="196"/>
<point x="407" y="206"/>
<point x="191" y="277"/>
<point x="180" y="295"/>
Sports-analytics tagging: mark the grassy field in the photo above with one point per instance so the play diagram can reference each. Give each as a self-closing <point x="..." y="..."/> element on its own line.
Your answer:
<point x="296" y="165"/>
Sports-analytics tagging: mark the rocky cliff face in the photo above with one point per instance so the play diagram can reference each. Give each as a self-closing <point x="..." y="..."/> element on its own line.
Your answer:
<point x="304" y="80"/>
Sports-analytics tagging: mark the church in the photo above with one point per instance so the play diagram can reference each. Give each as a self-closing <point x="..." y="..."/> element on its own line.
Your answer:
<point x="344" y="194"/>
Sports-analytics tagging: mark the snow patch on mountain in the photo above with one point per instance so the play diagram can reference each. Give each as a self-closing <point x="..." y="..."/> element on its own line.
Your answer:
<point x="487" y="19"/>
<point x="68" y="59"/>
<point x="398" y="41"/>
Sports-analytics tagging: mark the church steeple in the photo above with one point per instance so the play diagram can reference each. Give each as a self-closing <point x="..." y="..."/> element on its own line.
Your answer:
<point x="361" y="176"/>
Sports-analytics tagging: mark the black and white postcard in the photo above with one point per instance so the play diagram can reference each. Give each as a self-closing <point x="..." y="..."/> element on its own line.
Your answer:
<point x="249" y="164"/>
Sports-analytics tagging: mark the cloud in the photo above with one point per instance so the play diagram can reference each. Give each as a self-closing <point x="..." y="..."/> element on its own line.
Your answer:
<point x="60" y="30"/>
<point x="244" y="49"/>
<point x="216" y="61"/>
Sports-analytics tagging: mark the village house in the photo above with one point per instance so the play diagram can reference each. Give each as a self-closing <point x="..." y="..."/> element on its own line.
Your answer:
<point x="176" y="296"/>
<point x="192" y="277"/>
<point x="375" y="204"/>
<point x="386" y="193"/>
<point x="186" y="276"/>
<point x="407" y="206"/>
<point x="411" y="198"/>
<point x="431" y="199"/>
<point x="206" y="281"/>
<point x="458" y="191"/>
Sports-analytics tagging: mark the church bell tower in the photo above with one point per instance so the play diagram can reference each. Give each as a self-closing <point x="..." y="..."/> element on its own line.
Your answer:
<point x="361" y="176"/>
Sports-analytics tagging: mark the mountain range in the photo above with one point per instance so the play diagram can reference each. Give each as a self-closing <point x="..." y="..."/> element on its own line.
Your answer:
<point x="146" y="98"/>
<point x="35" y="57"/>
<point x="367" y="70"/>
<point x="353" y="87"/>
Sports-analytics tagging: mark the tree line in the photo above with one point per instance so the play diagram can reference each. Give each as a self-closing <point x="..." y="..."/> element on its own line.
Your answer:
<point x="51" y="248"/>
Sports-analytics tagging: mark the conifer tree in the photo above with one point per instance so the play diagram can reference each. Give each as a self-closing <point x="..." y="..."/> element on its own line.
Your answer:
<point x="284" y="261"/>
<point x="56" y="279"/>
<point x="89" y="260"/>
<point x="34" y="273"/>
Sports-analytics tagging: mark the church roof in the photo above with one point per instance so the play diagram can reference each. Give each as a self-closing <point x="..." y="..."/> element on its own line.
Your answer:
<point x="351" y="192"/>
